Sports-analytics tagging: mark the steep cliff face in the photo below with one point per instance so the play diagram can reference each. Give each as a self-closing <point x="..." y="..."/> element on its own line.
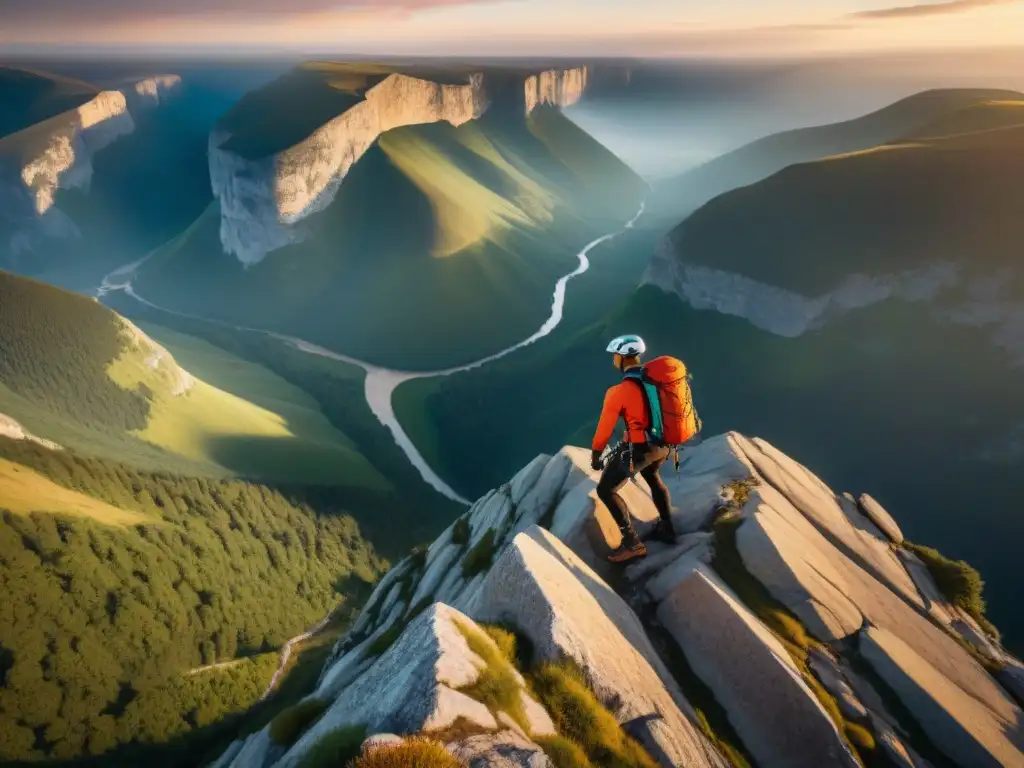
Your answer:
<point x="260" y="199"/>
<point x="263" y="199"/>
<point x="556" y="87"/>
<point x="797" y="620"/>
<point x="58" y="153"/>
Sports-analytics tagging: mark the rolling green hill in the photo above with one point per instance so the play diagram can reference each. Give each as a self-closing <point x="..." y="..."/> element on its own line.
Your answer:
<point x="678" y="197"/>
<point x="76" y="373"/>
<point x="449" y="238"/>
<point x="951" y="192"/>
<point x="29" y="97"/>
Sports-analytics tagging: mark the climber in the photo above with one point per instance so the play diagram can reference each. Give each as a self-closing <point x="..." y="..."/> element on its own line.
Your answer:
<point x="656" y="404"/>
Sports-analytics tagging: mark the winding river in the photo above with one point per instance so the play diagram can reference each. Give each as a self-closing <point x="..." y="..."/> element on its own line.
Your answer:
<point x="381" y="383"/>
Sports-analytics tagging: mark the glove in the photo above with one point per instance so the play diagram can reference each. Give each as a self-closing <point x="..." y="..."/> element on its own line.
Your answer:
<point x="596" y="462"/>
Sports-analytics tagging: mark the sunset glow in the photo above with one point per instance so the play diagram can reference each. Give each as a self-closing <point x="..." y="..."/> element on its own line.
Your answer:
<point x="511" y="27"/>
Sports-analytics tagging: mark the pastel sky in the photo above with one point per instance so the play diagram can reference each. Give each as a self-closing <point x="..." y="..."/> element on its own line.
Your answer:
<point x="514" y="27"/>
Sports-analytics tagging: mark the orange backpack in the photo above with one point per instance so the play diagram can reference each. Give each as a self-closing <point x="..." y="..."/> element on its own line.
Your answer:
<point x="666" y="383"/>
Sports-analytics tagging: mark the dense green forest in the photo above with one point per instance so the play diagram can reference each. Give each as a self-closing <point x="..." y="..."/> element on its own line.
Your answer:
<point x="100" y="623"/>
<point x="55" y="348"/>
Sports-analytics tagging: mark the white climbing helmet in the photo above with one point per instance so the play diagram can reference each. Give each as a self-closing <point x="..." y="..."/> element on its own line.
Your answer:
<point x="627" y="346"/>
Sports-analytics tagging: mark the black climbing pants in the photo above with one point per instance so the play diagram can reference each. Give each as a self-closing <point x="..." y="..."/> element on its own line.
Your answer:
<point x="647" y="460"/>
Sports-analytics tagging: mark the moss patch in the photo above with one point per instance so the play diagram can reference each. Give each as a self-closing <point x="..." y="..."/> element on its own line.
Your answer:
<point x="289" y="725"/>
<point x="336" y="748"/>
<point x="480" y="557"/>
<point x="497" y="687"/>
<point x="958" y="581"/>
<point x="411" y="753"/>
<point x="460" y="531"/>
<point x="581" y="718"/>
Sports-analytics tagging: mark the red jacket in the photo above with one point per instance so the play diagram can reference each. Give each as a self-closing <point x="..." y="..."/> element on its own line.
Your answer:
<point x="627" y="399"/>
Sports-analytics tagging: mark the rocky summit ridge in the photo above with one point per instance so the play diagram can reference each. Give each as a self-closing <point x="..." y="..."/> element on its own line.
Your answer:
<point x="790" y="625"/>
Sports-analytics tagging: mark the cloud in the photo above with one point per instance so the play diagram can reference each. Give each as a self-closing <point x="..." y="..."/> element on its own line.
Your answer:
<point x="929" y="9"/>
<point x="29" y="12"/>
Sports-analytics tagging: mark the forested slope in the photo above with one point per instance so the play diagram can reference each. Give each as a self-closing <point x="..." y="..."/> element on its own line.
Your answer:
<point x="101" y="622"/>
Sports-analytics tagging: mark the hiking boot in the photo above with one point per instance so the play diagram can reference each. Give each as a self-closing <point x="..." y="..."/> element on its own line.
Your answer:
<point x="631" y="547"/>
<point x="662" y="531"/>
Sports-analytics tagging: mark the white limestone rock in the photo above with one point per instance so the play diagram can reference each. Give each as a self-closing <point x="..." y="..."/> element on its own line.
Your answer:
<point x="1012" y="678"/>
<point x="380" y="740"/>
<point x="786" y="554"/>
<point x="660" y="556"/>
<point x="965" y="728"/>
<point x="411" y="687"/>
<point x="828" y="672"/>
<point x="556" y="87"/>
<point x="664" y="583"/>
<point x="526" y="478"/>
<point x="544" y="494"/>
<point x="261" y="199"/>
<point x="436" y="572"/>
<point x="817" y="502"/>
<point x="934" y="601"/>
<point x="12" y="429"/>
<point x="504" y="749"/>
<point x="537" y="717"/>
<point x="541" y="587"/>
<point x="696" y="489"/>
<point x="775" y="714"/>
<point x="880" y="517"/>
<point x="827" y="591"/>
<point x="258" y="751"/>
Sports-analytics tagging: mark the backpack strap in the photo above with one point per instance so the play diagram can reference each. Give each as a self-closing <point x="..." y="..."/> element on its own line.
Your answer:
<point x="652" y="402"/>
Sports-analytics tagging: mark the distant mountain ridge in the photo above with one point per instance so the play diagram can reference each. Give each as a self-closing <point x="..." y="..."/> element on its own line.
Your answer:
<point x="676" y="198"/>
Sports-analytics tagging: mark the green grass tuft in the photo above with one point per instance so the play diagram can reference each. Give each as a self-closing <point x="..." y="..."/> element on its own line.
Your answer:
<point x="958" y="581"/>
<point x="564" y="753"/>
<point x="581" y="718"/>
<point x="336" y="747"/>
<point x="411" y="753"/>
<point x="497" y="686"/>
<point x="289" y="725"/>
<point x="860" y="737"/>
<point x="506" y="641"/>
<point x="460" y="531"/>
<point x="480" y="557"/>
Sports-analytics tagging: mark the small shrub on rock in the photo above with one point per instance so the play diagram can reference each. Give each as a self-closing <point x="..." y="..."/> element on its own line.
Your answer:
<point x="460" y="531"/>
<point x="860" y="737"/>
<point x="958" y="581"/>
<point x="582" y="719"/>
<point x="497" y="687"/>
<point x="336" y="747"/>
<point x="291" y="723"/>
<point x="563" y="753"/>
<point x="480" y="557"/>
<point x="411" y="753"/>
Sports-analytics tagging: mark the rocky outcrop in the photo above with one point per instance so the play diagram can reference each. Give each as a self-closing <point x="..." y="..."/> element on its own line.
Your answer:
<point x="556" y="87"/>
<point x="774" y="712"/>
<point x="174" y="379"/>
<point x="57" y="153"/>
<point x="781" y="596"/>
<point x="566" y="610"/>
<point x="151" y="92"/>
<point x="962" y="726"/>
<point x="779" y="310"/>
<point x="15" y="431"/>
<point x="261" y="198"/>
